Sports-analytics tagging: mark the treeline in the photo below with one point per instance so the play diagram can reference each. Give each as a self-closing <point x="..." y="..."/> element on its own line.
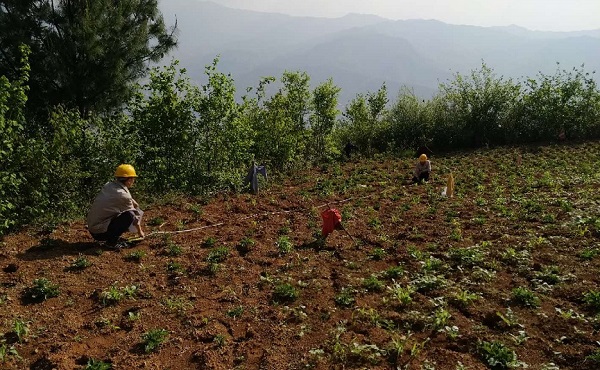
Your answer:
<point x="195" y="139"/>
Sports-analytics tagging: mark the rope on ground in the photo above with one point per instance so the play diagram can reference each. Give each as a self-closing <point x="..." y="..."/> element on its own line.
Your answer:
<point x="268" y="214"/>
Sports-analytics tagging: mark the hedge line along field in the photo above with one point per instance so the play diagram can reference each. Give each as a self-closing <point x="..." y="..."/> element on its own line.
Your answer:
<point x="505" y="274"/>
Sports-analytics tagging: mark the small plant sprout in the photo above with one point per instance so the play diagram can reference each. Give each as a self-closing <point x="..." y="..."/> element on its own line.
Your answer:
<point x="464" y="298"/>
<point x="245" y="245"/>
<point x="111" y="296"/>
<point x="217" y="255"/>
<point x="509" y="318"/>
<point x="345" y="297"/>
<point x="235" y="312"/>
<point x="80" y="263"/>
<point x="592" y="300"/>
<point x="284" y="245"/>
<point x="284" y="293"/>
<point x="497" y="355"/>
<point x="135" y="256"/>
<point x="219" y="340"/>
<point x="21" y="329"/>
<point x="401" y="295"/>
<point x="440" y="319"/>
<point x="393" y="272"/>
<point x="41" y="290"/>
<point x="373" y="284"/>
<point x="378" y="254"/>
<point x="93" y="364"/>
<point x="152" y="339"/>
<point x="525" y="297"/>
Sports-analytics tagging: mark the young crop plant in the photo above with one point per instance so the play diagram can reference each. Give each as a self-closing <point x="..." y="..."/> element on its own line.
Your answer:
<point x="400" y="295"/>
<point x="284" y="292"/>
<point x="135" y="256"/>
<point x="467" y="257"/>
<point x="592" y="300"/>
<point x="377" y="254"/>
<point x="594" y="357"/>
<point x="440" y="319"/>
<point x="6" y="352"/>
<point x="235" y="312"/>
<point x="464" y="298"/>
<point x="589" y="254"/>
<point x="393" y="272"/>
<point x="497" y="355"/>
<point x="549" y="275"/>
<point x="111" y="296"/>
<point x="93" y="364"/>
<point x="429" y="282"/>
<point x="509" y="318"/>
<point x="432" y="264"/>
<point x="152" y="339"/>
<point x="21" y="329"/>
<point x="373" y="284"/>
<point x="156" y="221"/>
<point x="175" y="267"/>
<point x="525" y="297"/>
<point x="177" y="304"/>
<point x="209" y="242"/>
<point x="345" y="297"/>
<point x="217" y="255"/>
<point x="220" y="340"/>
<point x="80" y="263"/>
<point x="173" y="249"/>
<point x="245" y="245"/>
<point x="284" y="245"/>
<point x="41" y="290"/>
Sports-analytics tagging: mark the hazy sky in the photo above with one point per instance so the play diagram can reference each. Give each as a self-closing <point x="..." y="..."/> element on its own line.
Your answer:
<point x="544" y="15"/>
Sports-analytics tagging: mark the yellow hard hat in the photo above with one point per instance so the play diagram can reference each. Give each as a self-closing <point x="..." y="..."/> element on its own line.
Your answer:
<point x="125" y="170"/>
<point x="422" y="158"/>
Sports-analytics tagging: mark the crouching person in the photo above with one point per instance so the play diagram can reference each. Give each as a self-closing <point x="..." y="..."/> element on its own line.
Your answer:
<point x="114" y="210"/>
<point x="422" y="169"/>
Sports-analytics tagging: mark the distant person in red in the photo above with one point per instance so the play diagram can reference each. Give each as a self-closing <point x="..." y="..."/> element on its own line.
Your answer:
<point x="114" y="210"/>
<point x="422" y="170"/>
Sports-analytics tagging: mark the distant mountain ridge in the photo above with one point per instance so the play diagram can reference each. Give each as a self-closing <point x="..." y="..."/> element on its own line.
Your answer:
<point x="361" y="52"/>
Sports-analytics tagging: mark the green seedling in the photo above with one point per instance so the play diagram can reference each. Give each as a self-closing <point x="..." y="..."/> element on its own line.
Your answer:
<point x="217" y="255"/>
<point x="345" y="298"/>
<point x="42" y="289"/>
<point x="373" y="284"/>
<point x="111" y="296"/>
<point x="152" y="339"/>
<point x="592" y="299"/>
<point x="497" y="355"/>
<point x="284" y="293"/>
<point x="93" y="364"/>
<point x="21" y="329"/>
<point x="135" y="256"/>
<point x="284" y="245"/>
<point x="80" y="263"/>
<point x="525" y="297"/>
<point x="235" y="312"/>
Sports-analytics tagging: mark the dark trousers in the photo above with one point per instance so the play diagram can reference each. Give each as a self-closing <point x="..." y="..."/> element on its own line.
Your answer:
<point x="423" y="176"/>
<point x="116" y="228"/>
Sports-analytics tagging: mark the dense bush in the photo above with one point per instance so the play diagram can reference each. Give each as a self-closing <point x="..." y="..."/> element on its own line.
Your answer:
<point x="194" y="139"/>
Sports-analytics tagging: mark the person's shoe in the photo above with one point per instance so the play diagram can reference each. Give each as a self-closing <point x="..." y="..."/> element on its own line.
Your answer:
<point x="118" y="245"/>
